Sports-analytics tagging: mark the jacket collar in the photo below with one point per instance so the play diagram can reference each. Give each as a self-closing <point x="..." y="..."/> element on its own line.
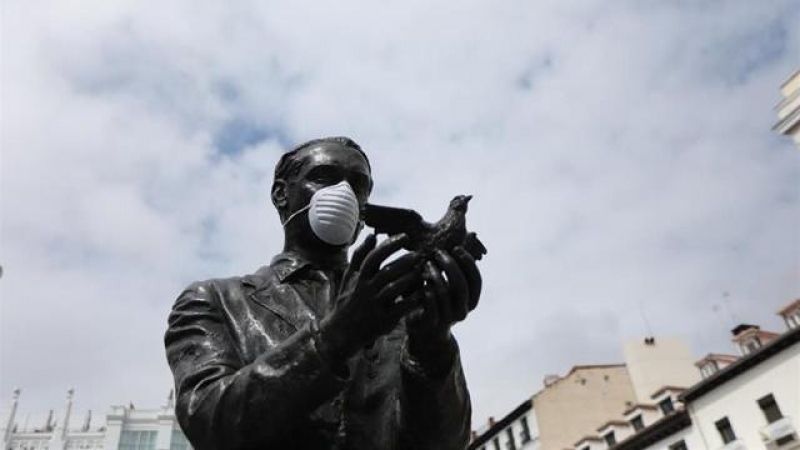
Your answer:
<point x="283" y="266"/>
<point x="287" y="264"/>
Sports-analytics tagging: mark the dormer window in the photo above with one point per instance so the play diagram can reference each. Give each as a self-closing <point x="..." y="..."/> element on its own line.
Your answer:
<point x="750" y="345"/>
<point x="793" y="319"/>
<point x="610" y="438"/>
<point x="791" y="314"/>
<point x="666" y="406"/>
<point x="709" y="368"/>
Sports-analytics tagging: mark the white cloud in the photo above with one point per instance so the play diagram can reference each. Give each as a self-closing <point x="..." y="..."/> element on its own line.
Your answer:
<point x="620" y="155"/>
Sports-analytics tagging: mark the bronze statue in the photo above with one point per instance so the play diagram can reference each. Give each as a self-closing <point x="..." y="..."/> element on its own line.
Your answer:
<point x="315" y="353"/>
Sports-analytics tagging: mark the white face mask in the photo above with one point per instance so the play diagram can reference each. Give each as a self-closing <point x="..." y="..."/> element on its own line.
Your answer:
<point x="333" y="214"/>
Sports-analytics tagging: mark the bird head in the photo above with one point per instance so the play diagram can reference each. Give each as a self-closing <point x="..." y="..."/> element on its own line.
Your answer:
<point x="459" y="202"/>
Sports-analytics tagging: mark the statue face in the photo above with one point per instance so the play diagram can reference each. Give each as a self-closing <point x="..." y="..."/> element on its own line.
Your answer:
<point x="321" y="165"/>
<point x="327" y="164"/>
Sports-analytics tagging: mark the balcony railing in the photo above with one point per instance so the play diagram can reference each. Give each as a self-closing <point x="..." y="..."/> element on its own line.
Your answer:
<point x="779" y="430"/>
<point x="737" y="444"/>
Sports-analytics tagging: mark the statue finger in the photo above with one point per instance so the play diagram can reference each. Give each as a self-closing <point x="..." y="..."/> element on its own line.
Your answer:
<point x="401" y="287"/>
<point x="404" y="305"/>
<point x="440" y="292"/>
<point x="430" y="307"/>
<point x="362" y="251"/>
<point x="358" y="257"/>
<point x="376" y="257"/>
<point x="474" y="280"/>
<point x="401" y="266"/>
<point x="459" y="291"/>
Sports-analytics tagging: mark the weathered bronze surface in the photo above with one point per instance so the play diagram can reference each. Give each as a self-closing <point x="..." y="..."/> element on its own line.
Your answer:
<point x="314" y="352"/>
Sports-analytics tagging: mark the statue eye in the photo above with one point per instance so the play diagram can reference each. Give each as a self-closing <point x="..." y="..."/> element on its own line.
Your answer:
<point x="324" y="177"/>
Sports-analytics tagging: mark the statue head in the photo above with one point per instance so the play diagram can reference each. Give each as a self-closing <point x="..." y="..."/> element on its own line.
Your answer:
<point x="311" y="167"/>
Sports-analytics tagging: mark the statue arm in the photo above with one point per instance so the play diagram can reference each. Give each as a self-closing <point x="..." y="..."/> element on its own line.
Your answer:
<point x="436" y="408"/>
<point x="224" y="403"/>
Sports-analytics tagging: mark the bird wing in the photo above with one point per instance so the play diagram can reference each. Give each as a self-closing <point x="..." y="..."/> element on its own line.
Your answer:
<point x="390" y="220"/>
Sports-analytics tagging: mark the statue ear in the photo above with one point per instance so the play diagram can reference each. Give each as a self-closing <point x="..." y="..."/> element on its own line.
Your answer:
<point x="278" y="195"/>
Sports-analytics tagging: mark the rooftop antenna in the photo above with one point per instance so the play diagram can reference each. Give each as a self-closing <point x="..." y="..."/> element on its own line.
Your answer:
<point x="726" y="301"/>
<point x="644" y="319"/>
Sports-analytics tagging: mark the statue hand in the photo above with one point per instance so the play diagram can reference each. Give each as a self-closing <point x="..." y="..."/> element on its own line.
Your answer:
<point x="372" y="299"/>
<point x="444" y="301"/>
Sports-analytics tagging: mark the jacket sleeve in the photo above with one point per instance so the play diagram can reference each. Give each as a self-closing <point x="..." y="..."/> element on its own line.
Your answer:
<point x="223" y="403"/>
<point x="435" y="405"/>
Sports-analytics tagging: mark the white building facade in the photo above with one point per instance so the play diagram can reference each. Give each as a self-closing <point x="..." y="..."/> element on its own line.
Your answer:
<point x="516" y="431"/>
<point x="125" y="428"/>
<point x="722" y="402"/>
<point x="751" y="401"/>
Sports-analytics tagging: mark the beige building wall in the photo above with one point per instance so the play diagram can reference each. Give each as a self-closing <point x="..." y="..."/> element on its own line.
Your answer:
<point x="664" y="362"/>
<point x="788" y="110"/>
<point x="583" y="400"/>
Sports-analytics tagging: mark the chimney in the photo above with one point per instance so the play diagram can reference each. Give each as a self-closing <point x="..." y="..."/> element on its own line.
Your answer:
<point x="87" y="422"/>
<point x="751" y="338"/>
<point x="741" y="328"/>
<point x="10" y="426"/>
<point x="48" y="424"/>
<point x="64" y="424"/>
<point x="550" y="380"/>
<point x="491" y="421"/>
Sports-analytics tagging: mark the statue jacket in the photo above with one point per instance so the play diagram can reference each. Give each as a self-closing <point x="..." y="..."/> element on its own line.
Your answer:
<point x="248" y="373"/>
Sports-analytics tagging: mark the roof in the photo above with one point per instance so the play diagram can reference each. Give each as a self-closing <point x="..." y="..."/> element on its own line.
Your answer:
<point x="789" y="307"/>
<point x="501" y="424"/>
<point x="742" y="365"/>
<point x="662" y="428"/>
<point x="590" y="437"/>
<point x="592" y="366"/>
<point x="617" y="422"/>
<point x="636" y="406"/>
<point x="716" y="357"/>
<point x="663" y="389"/>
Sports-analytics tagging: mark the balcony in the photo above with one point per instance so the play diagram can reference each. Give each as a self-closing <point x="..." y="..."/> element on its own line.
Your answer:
<point x="779" y="433"/>
<point x="737" y="444"/>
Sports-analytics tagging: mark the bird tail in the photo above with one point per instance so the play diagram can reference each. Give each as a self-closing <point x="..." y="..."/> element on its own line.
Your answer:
<point x="474" y="246"/>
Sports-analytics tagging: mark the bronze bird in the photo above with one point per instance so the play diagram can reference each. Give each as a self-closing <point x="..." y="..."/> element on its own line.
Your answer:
<point x="425" y="237"/>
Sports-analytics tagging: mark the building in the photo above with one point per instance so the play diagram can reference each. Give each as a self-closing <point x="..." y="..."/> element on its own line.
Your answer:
<point x="789" y="108"/>
<point x="592" y="396"/>
<point x="587" y="395"/>
<point x="661" y="399"/>
<point x="125" y="428"/>
<point x="742" y="402"/>
<point x="516" y="431"/>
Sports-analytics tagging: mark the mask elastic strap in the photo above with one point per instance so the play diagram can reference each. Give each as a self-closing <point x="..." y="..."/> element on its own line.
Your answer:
<point x="304" y="208"/>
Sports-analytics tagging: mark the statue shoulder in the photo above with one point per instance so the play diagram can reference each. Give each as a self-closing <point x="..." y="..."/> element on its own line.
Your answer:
<point x="224" y="290"/>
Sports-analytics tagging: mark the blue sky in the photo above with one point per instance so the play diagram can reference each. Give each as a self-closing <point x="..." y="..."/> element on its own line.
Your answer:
<point x="620" y="154"/>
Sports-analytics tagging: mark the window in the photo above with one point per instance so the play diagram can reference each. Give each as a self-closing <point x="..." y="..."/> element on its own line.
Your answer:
<point x="784" y="440"/>
<point x="525" y="434"/>
<point x="496" y="442"/>
<point x="510" y="444"/>
<point x="637" y="423"/>
<point x="680" y="445"/>
<point x="770" y="408"/>
<point x="709" y="368"/>
<point x="137" y="440"/>
<point x="725" y="430"/>
<point x="610" y="438"/>
<point x="666" y="406"/>
<point x="179" y="441"/>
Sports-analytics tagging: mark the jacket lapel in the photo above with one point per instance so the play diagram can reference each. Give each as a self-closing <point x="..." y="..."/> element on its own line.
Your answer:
<point x="272" y="293"/>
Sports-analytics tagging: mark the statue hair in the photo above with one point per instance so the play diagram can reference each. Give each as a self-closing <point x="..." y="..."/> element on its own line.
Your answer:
<point x="289" y="165"/>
